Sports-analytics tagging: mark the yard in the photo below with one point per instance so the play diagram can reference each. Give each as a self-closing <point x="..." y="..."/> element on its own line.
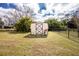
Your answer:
<point x="56" y="43"/>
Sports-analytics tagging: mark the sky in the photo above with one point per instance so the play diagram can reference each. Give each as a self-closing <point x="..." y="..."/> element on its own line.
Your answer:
<point x="52" y="10"/>
<point x="44" y="10"/>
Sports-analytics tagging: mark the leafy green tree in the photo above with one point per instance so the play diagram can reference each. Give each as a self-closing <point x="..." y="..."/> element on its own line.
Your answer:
<point x="64" y="22"/>
<point x="23" y="25"/>
<point x="54" y="24"/>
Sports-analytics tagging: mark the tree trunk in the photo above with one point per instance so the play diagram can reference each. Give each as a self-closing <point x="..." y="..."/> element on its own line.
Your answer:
<point x="2" y="26"/>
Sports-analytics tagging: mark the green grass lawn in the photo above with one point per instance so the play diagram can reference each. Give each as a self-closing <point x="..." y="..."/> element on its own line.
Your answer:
<point x="56" y="43"/>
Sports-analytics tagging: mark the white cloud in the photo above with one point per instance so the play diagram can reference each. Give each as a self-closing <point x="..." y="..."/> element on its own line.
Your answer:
<point x="58" y="7"/>
<point x="34" y="6"/>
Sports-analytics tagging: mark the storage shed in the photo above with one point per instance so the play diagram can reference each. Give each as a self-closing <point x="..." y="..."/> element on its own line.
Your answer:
<point x="39" y="28"/>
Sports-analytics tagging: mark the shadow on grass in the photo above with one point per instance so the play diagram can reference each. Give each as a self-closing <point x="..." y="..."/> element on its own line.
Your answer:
<point x="35" y="36"/>
<point x="72" y="36"/>
<point x="75" y="40"/>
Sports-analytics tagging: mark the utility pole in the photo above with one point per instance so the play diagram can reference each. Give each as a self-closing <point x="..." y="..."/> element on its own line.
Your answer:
<point x="68" y="29"/>
<point x="77" y="21"/>
<point x="78" y="30"/>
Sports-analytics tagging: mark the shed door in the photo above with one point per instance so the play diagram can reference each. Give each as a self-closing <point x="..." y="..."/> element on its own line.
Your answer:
<point x="39" y="28"/>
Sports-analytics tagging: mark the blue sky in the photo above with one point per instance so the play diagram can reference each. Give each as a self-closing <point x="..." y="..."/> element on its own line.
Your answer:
<point x="43" y="10"/>
<point x="42" y="6"/>
<point x="7" y="5"/>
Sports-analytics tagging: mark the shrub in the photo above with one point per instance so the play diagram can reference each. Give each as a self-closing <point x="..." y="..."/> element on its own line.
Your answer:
<point x="54" y="24"/>
<point x="23" y="25"/>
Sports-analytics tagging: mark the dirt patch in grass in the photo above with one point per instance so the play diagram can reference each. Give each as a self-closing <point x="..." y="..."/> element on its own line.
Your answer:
<point x="35" y="36"/>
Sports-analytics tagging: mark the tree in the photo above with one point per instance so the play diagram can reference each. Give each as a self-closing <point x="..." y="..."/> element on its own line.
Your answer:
<point x="23" y="25"/>
<point x="1" y="23"/>
<point x="64" y="22"/>
<point x="19" y="12"/>
<point x="53" y="24"/>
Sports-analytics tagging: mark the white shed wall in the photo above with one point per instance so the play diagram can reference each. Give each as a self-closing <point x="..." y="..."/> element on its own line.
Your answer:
<point x="42" y="30"/>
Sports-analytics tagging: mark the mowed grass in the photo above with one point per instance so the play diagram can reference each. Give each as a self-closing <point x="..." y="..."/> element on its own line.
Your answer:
<point x="17" y="44"/>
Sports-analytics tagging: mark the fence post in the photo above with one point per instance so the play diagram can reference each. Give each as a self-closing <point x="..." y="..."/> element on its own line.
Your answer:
<point x="78" y="34"/>
<point x="78" y="31"/>
<point x="68" y="32"/>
